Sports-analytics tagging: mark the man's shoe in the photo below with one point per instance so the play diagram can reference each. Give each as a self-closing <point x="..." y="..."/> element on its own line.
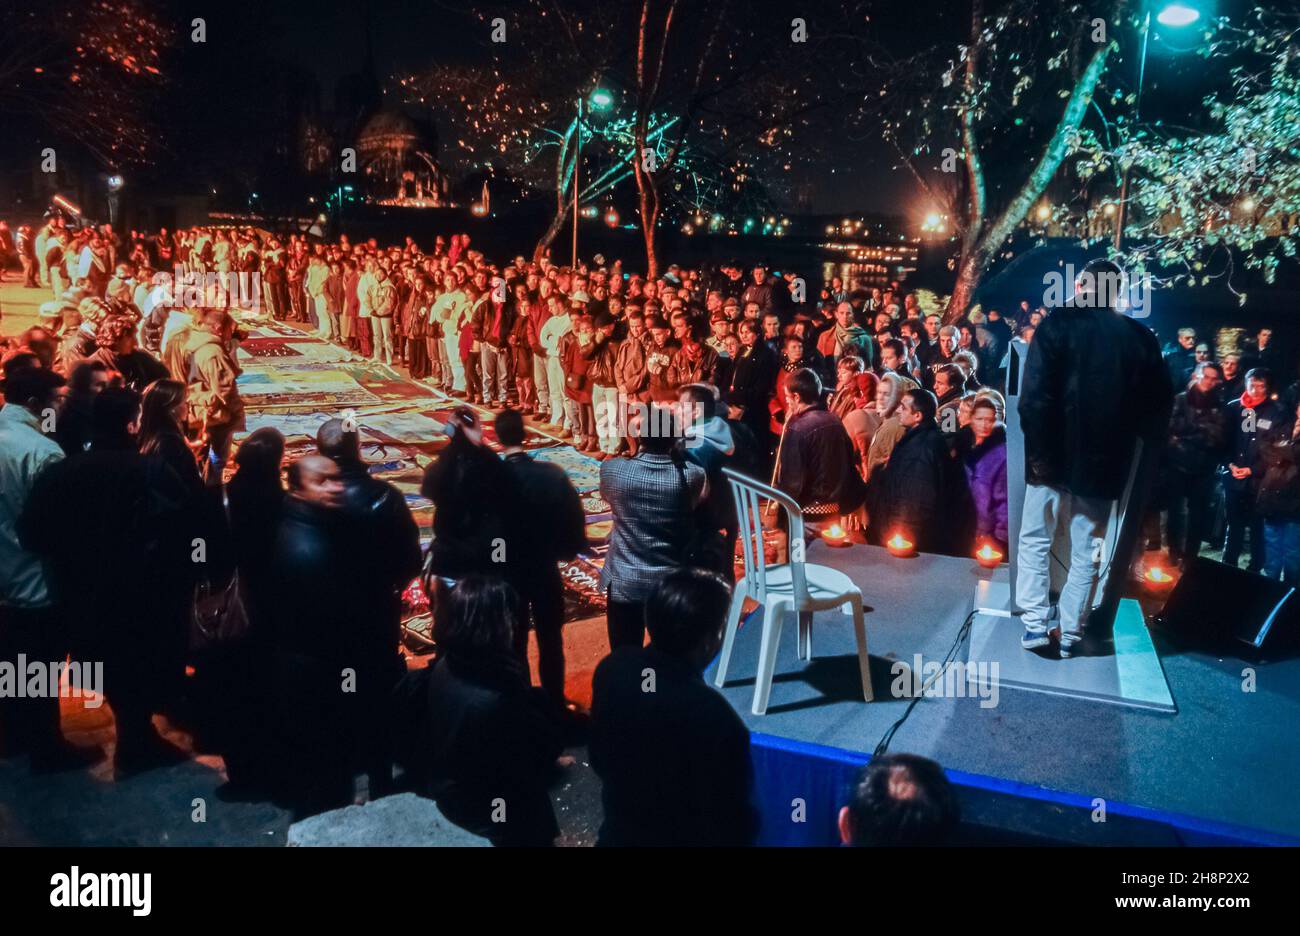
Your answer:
<point x="1034" y="640"/>
<point x="65" y="756"/>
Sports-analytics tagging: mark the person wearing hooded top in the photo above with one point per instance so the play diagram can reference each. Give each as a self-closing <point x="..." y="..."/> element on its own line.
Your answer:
<point x="982" y="448"/>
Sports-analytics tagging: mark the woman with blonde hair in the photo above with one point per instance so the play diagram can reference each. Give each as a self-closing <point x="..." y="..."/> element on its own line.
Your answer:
<point x="889" y="392"/>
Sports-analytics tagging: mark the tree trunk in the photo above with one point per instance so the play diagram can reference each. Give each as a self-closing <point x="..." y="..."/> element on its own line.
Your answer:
<point x="978" y="252"/>
<point x="552" y="231"/>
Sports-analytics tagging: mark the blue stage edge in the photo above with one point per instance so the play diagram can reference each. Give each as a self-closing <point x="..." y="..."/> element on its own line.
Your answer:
<point x="800" y="787"/>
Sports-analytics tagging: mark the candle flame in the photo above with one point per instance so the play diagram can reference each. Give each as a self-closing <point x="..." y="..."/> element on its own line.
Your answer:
<point x="898" y="542"/>
<point x="1158" y="575"/>
<point x="988" y="553"/>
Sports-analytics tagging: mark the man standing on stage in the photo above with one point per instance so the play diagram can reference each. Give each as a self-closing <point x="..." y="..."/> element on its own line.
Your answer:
<point x="1094" y="384"/>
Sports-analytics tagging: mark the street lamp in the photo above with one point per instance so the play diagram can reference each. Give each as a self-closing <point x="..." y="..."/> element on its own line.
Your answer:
<point x="600" y="99"/>
<point x="114" y="184"/>
<point x="1175" y="15"/>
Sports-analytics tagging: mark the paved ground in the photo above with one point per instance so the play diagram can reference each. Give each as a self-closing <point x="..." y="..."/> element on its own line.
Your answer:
<point x="18" y="305"/>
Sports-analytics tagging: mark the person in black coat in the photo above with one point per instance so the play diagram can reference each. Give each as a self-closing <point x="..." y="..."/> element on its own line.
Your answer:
<point x="1197" y="431"/>
<point x="1255" y="412"/>
<point x="110" y="523"/>
<point x="381" y="521"/>
<point x="489" y="742"/>
<point x="1278" y="501"/>
<point x="672" y="754"/>
<point x="381" y="570"/>
<point x="1180" y="358"/>
<point x="232" y="681"/>
<point x="753" y="378"/>
<point x="1094" y="384"/>
<point x="922" y="493"/>
<point x="549" y="527"/>
<point x="473" y="506"/>
<point x="73" y="430"/>
<point x="817" y="462"/>
<point x="317" y="641"/>
<point x="163" y="445"/>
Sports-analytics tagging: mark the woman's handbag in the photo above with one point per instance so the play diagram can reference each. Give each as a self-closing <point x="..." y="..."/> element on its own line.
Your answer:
<point x="219" y="617"/>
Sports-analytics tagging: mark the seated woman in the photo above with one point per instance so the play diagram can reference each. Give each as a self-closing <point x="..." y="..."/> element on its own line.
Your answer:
<point x="490" y="747"/>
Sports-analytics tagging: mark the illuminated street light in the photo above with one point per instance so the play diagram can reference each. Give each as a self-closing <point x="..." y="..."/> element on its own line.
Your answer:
<point x="1177" y="15"/>
<point x="1044" y="212"/>
<point x="601" y="99"/>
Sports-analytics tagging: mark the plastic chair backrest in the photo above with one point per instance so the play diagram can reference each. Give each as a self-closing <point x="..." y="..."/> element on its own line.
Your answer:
<point x="747" y="493"/>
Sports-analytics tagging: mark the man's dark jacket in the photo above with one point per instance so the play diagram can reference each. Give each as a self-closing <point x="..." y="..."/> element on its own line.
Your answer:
<point x="1197" y="433"/>
<point x="1094" y="384"/>
<point x="1246" y="427"/>
<point x="548" y="521"/>
<point x="923" y="494"/>
<point x="489" y="740"/>
<point x="674" y="762"/>
<point x="817" y="464"/>
<point x="387" y="544"/>
<point x="753" y="377"/>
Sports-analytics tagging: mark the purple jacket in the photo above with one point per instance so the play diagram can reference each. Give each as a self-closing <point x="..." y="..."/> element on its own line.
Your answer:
<point x="986" y="473"/>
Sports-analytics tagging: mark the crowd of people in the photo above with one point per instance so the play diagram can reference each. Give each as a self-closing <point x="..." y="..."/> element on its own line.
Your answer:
<point x="122" y="525"/>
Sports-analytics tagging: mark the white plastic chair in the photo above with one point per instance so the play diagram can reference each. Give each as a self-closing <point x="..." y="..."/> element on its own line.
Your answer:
<point x="783" y="588"/>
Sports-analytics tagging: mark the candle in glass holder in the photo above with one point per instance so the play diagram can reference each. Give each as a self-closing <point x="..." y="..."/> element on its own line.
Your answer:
<point x="899" y="545"/>
<point x="834" y="535"/>
<point x="988" y="556"/>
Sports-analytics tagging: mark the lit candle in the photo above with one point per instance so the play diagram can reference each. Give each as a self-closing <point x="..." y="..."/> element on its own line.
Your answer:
<point x="834" y="535"/>
<point x="988" y="556"/>
<point x="898" y="545"/>
<point x="1157" y="578"/>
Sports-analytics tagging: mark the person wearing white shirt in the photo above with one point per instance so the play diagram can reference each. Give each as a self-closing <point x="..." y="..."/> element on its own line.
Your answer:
<point x="451" y="310"/>
<point x="555" y="328"/>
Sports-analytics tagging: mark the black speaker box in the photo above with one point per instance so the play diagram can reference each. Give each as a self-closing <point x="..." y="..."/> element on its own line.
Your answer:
<point x="1228" y="606"/>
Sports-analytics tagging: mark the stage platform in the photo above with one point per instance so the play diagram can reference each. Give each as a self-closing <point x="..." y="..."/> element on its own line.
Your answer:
<point x="1219" y="768"/>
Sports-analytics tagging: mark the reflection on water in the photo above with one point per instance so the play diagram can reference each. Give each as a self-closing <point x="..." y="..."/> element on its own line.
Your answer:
<point x="870" y="264"/>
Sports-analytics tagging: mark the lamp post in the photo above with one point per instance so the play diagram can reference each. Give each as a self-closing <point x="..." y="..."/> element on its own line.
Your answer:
<point x="114" y="184"/>
<point x="600" y="99"/>
<point x="1174" y="15"/>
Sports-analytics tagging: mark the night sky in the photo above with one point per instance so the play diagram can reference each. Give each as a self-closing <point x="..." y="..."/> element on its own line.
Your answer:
<point x="853" y="171"/>
<point x="326" y="37"/>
